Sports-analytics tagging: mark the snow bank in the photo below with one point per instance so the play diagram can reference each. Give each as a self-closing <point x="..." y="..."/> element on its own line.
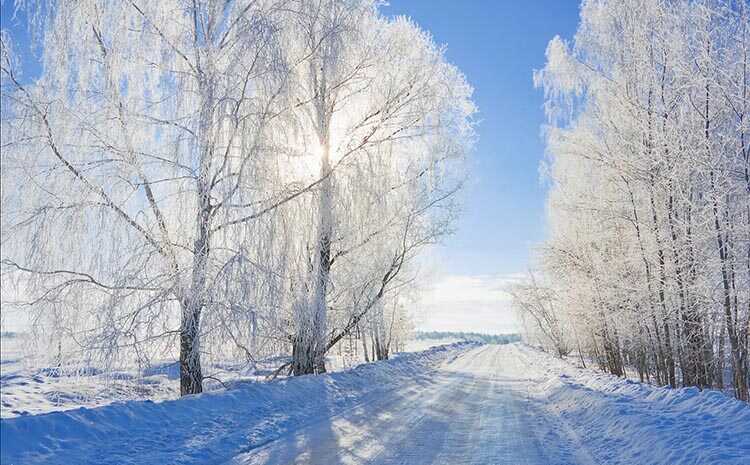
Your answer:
<point x="627" y="422"/>
<point x="28" y="387"/>
<point x="608" y="420"/>
<point x="208" y="428"/>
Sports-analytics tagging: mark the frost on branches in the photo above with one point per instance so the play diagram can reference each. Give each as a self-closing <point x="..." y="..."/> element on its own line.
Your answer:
<point x="647" y="265"/>
<point x="223" y="179"/>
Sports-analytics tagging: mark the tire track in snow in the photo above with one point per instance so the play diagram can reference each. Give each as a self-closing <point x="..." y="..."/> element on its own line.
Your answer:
<point x="362" y="429"/>
<point x="477" y="411"/>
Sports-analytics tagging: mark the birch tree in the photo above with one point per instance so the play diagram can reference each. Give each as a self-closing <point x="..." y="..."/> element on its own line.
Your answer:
<point x="214" y="179"/>
<point x="389" y="120"/>
<point x="648" y="197"/>
<point x="133" y="164"/>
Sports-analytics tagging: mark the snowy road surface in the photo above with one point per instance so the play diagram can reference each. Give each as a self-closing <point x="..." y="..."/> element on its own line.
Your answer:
<point x="499" y="405"/>
<point x="477" y="410"/>
<point x="450" y="405"/>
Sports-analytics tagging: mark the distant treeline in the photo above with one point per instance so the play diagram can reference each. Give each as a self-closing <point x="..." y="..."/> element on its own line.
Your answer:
<point x="486" y="338"/>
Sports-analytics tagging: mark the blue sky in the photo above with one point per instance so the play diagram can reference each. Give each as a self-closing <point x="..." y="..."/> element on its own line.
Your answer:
<point x="498" y="44"/>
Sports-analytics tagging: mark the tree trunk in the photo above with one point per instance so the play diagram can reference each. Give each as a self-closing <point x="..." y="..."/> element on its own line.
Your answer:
<point x="364" y="343"/>
<point x="191" y="375"/>
<point x="305" y="356"/>
<point x="668" y="351"/>
<point x="739" y="376"/>
<point x="691" y="355"/>
<point x="312" y="344"/>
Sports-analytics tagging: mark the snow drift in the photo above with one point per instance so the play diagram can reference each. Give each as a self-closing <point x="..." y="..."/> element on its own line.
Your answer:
<point x="519" y="400"/>
<point x="208" y="428"/>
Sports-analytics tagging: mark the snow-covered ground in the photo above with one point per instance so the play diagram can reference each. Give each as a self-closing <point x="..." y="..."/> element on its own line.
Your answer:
<point x="457" y="404"/>
<point x="29" y="389"/>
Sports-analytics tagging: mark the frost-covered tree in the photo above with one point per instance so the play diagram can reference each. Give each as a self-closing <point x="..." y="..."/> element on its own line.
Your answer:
<point x="538" y="307"/>
<point x="389" y="120"/>
<point x="649" y="189"/>
<point x="223" y="178"/>
<point x="150" y="133"/>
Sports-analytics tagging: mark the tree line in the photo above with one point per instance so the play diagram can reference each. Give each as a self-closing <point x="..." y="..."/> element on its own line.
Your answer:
<point x="647" y="263"/>
<point x="468" y="336"/>
<point x="223" y="179"/>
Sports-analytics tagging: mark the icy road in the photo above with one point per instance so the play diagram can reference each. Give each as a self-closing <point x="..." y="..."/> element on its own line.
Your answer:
<point x="450" y="405"/>
<point x="477" y="409"/>
<point x="498" y="405"/>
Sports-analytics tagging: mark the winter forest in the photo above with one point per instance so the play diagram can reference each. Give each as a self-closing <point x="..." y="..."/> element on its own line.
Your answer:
<point x="340" y="232"/>
<point x="647" y="263"/>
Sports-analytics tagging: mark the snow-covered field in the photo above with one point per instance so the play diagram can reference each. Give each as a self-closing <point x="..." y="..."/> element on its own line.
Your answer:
<point x="455" y="404"/>
<point x="26" y="389"/>
<point x="29" y="389"/>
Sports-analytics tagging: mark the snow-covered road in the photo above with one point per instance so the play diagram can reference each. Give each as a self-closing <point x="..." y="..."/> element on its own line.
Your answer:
<point x="450" y="405"/>
<point x="476" y="410"/>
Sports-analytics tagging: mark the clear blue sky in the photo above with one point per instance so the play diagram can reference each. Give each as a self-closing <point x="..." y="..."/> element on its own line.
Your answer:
<point x="497" y="44"/>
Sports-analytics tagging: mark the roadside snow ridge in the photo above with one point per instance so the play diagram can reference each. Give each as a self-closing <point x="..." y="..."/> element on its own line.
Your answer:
<point x="452" y="405"/>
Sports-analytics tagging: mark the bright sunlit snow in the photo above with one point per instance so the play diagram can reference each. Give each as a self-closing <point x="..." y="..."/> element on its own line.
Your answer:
<point x="490" y="404"/>
<point x="366" y="232"/>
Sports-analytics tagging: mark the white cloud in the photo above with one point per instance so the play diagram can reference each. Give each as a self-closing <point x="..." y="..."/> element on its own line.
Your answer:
<point x="477" y="303"/>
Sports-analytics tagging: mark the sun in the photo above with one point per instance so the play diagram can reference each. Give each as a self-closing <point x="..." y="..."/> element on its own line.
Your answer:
<point x="328" y="151"/>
